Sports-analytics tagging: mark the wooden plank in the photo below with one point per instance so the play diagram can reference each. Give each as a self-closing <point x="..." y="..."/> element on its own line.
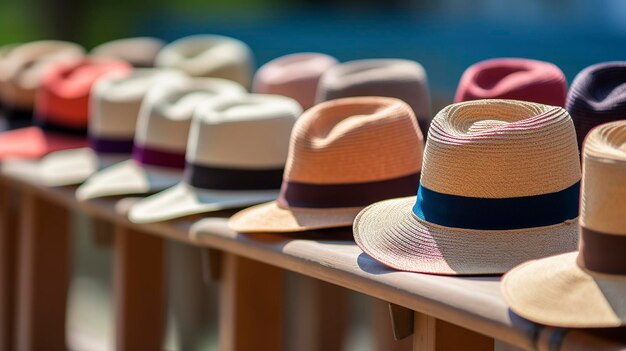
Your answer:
<point x="139" y="278"/>
<point x="251" y="305"/>
<point x="430" y="334"/>
<point x="8" y="264"/>
<point x="424" y="332"/>
<point x="43" y="274"/>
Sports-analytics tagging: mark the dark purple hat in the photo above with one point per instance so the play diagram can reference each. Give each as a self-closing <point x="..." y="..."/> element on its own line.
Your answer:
<point x="597" y="96"/>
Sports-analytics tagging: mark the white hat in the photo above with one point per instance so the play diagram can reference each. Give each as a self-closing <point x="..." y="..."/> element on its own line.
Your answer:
<point x="209" y="56"/>
<point x="138" y="51"/>
<point x="235" y="158"/>
<point x="160" y="139"/>
<point x="114" y="108"/>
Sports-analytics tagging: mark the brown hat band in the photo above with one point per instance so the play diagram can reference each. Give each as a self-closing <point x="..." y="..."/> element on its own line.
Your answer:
<point x="602" y="252"/>
<point x="295" y="194"/>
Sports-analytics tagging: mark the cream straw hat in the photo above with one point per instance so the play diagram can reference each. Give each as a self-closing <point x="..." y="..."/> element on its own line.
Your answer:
<point x="344" y="155"/>
<point x="209" y="56"/>
<point x="23" y="71"/>
<point x="295" y="75"/>
<point x="585" y="289"/>
<point x="160" y="139"/>
<point x="114" y="108"/>
<point x="235" y="158"/>
<point x="138" y="51"/>
<point x="499" y="186"/>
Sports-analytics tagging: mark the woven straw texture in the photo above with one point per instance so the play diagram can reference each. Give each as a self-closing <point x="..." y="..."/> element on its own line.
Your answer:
<point x="513" y="78"/>
<point x="597" y="96"/>
<point x="402" y="79"/>
<point x="484" y="149"/>
<point x="139" y="51"/>
<point x="296" y="76"/>
<point x="212" y="56"/>
<point x="556" y="290"/>
<point x="345" y="141"/>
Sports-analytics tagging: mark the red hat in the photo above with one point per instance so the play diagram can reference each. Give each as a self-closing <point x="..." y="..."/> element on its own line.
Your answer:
<point x="61" y="109"/>
<point x="513" y="78"/>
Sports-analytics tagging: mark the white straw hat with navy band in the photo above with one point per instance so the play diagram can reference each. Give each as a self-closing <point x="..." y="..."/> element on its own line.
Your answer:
<point x="114" y="109"/>
<point x="584" y="289"/>
<point x="235" y="158"/>
<point x="343" y="155"/>
<point x="499" y="186"/>
<point x="160" y="140"/>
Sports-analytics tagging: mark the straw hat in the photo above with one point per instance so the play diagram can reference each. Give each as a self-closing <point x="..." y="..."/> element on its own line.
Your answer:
<point x="513" y="78"/>
<point x="209" y="56"/>
<point x="22" y="74"/>
<point x="61" y="109"/>
<point x="343" y="155"/>
<point x="235" y="158"/>
<point x="596" y="97"/>
<point x="584" y="289"/>
<point x="499" y="186"/>
<point x="4" y="53"/>
<point x="114" y="107"/>
<point x="139" y="51"/>
<point x="402" y="79"/>
<point x="295" y="76"/>
<point x="160" y="139"/>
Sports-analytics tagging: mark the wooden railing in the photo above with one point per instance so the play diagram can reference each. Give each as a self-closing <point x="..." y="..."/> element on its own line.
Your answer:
<point x="437" y="312"/>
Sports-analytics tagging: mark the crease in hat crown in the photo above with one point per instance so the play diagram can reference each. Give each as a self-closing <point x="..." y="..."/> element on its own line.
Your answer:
<point x="138" y="51"/>
<point x="597" y="96"/>
<point x="513" y="78"/>
<point x="209" y="56"/>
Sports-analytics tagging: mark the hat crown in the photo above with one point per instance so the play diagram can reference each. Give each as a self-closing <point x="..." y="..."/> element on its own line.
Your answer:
<point x="166" y="112"/>
<point x="603" y="204"/>
<point x="116" y="100"/>
<point x="500" y="149"/>
<point x="354" y="140"/>
<point x="245" y="132"/>
<point x="138" y="51"/>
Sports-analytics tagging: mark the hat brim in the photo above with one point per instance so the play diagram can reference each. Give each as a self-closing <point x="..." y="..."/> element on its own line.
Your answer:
<point x="184" y="200"/>
<point x="556" y="291"/>
<point x="71" y="167"/>
<point x="128" y="178"/>
<point x="390" y="233"/>
<point x="34" y="143"/>
<point x="270" y="218"/>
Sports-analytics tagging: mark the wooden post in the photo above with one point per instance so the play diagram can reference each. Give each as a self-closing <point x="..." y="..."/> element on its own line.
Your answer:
<point x="250" y="305"/>
<point x="383" y="329"/>
<point x="430" y="334"/>
<point x="139" y="278"/>
<point x="43" y="275"/>
<point x="8" y="267"/>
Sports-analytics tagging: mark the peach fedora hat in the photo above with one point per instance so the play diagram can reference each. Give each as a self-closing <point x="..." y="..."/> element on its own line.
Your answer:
<point x="584" y="289"/>
<point x="138" y="51"/>
<point x="343" y="155"/>
<point x="513" y="78"/>
<point x="499" y="186"/>
<point x="22" y="73"/>
<point x="212" y="56"/>
<point x="402" y="79"/>
<point x="295" y="76"/>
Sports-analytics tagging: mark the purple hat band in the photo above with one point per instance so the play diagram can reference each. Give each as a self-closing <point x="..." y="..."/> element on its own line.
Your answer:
<point x="110" y="145"/>
<point x="153" y="157"/>
<point x="597" y="96"/>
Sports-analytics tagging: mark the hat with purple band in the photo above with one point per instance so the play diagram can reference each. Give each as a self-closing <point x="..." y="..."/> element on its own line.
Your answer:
<point x="401" y="79"/>
<point x="344" y="154"/>
<point x="584" y="289"/>
<point x="158" y="157"/>
<point x="139" y="51"/>
<point x="114" y="108"/>
<point x="295" y="75"/>
<point x="597" y="97"/>
<point x="235" y="158"/>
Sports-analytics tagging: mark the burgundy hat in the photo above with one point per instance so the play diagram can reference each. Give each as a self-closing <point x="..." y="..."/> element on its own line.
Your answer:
<point x="597" y="96"/>
<point x="61" y="109"/>
<point x="295" y="76"/>
<point x="513" y="78"/>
